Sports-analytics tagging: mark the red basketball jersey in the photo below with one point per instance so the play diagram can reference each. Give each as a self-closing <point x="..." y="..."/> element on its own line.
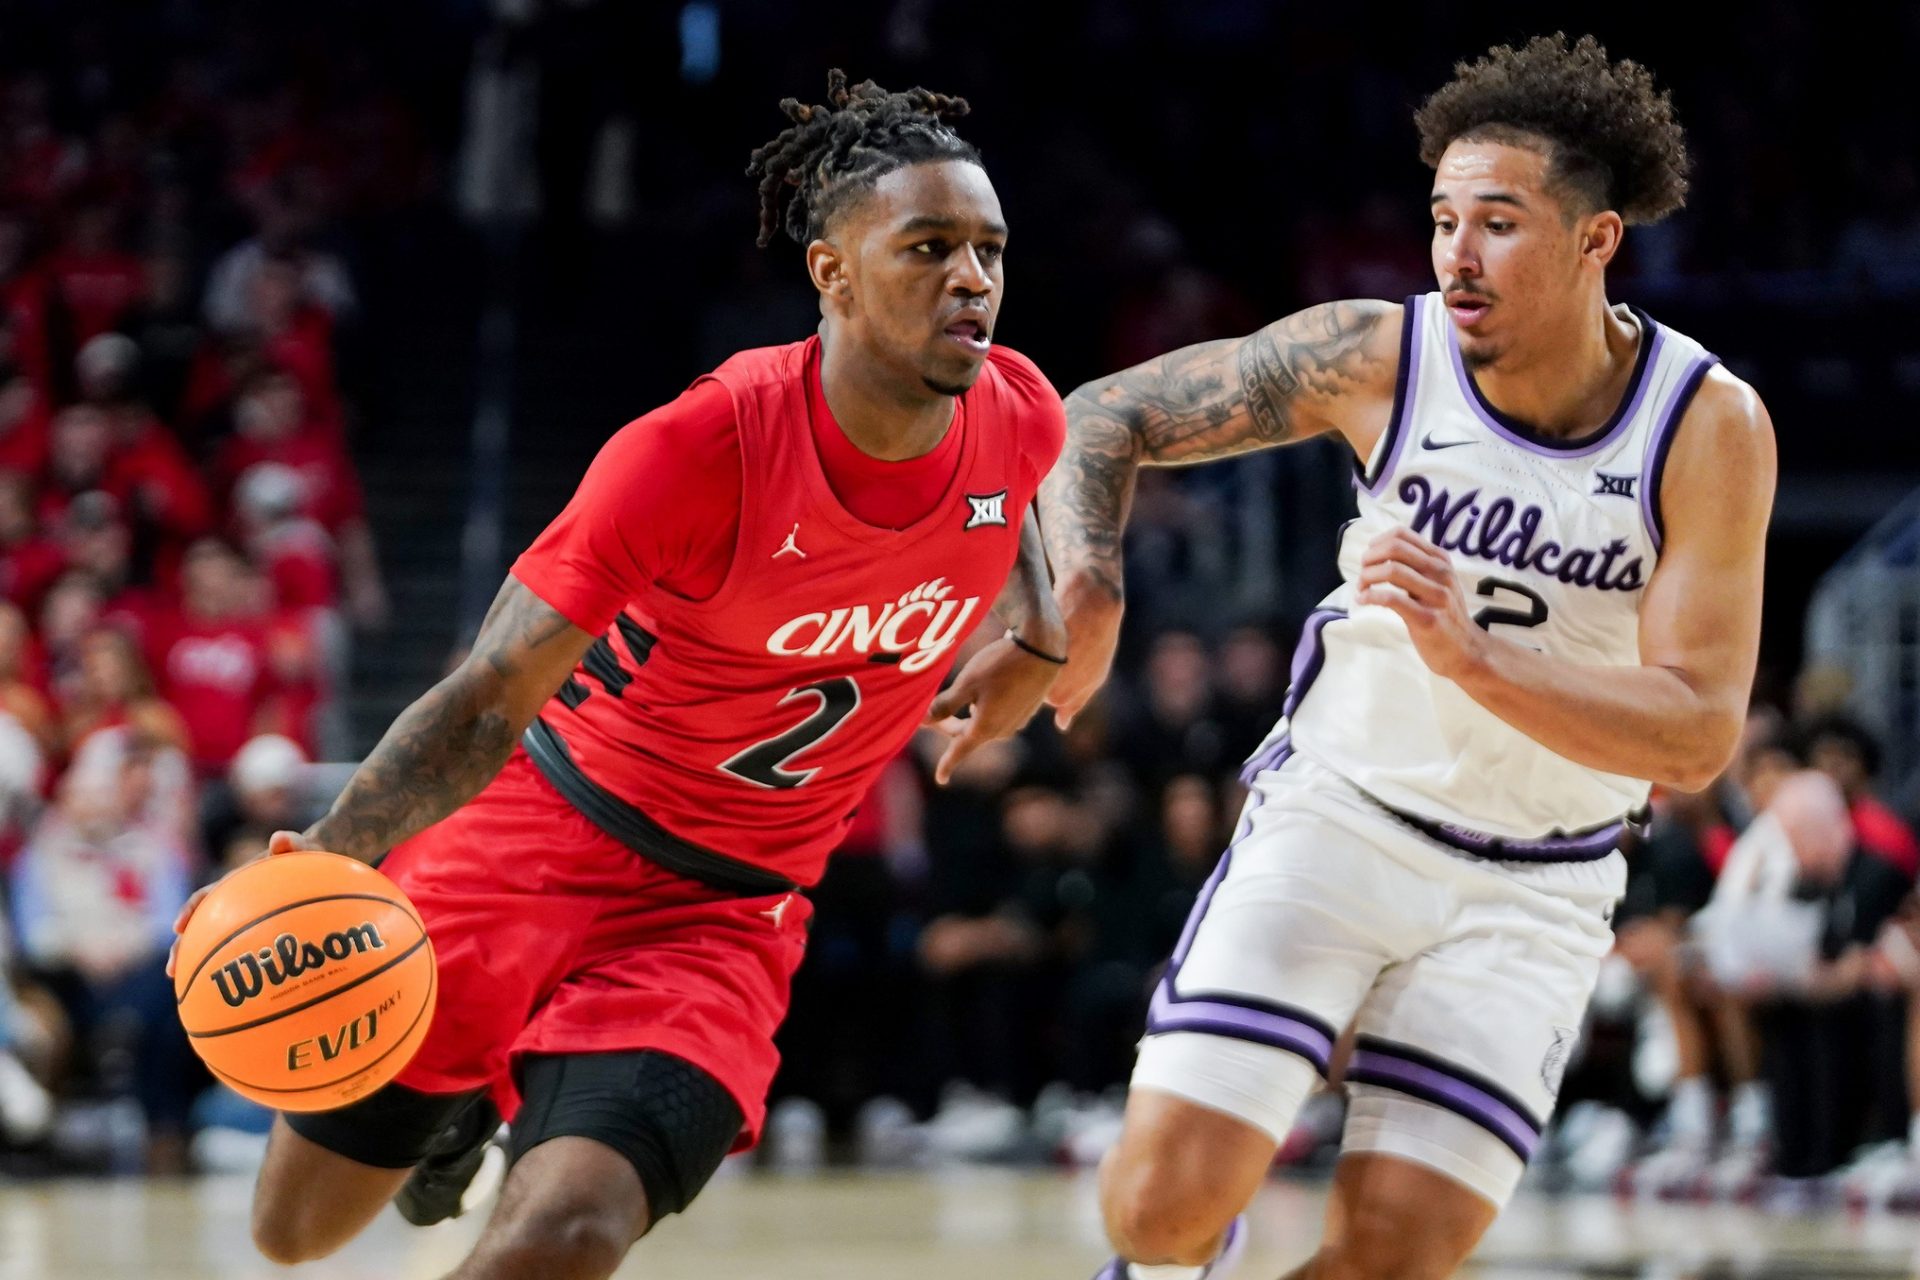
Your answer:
<point x="751" y="723"/>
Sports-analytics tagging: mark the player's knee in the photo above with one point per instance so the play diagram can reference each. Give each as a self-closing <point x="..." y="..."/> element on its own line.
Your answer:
<point x="1156" y="1216"/>
<point x="1383" y="1240"/>
<point x="576" y="1241"/>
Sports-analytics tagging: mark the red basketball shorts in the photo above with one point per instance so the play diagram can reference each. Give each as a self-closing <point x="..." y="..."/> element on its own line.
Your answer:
<point x="553" y="938"/>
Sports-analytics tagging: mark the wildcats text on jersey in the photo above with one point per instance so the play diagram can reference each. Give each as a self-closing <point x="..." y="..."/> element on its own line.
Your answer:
<point x="922" y="624"/>
<point x="1504" y="531"/>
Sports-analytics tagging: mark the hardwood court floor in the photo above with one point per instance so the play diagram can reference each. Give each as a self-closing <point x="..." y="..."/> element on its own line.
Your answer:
<point x="973" y="1225"/>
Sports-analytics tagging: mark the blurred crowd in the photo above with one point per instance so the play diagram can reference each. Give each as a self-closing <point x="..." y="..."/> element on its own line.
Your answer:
<point x="184" y="551"/>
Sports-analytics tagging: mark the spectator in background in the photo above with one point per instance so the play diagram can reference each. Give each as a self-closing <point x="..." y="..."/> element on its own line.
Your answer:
<point x="1249" y="671"/>
<point x="1172" y="730"/>
<point x="271" y="426"/>
<point x="23" y="681"/>
<point x="94" y="895"/>
<point x="266" y="792"/>
<point x="147" y="469"/>
<point x="92" y="282"/>
<point x="1789" y="931"/>
<point x="211" y="655"/>
<point x="72" y="609"/>
<point x="291" y="548"/>
<point x="26" y="1036"/>
<point x="115" y="689"/>
<point x="26" y="424"/>
<point x="77" y="461"/>
<point x="30" y="562"/>
<point x="1846" y="751"/>
<point x="322" y="280"/>
<point x="98" y="543"/>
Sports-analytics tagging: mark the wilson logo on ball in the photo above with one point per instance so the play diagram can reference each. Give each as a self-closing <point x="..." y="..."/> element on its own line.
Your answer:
<point x="244" y="977"/>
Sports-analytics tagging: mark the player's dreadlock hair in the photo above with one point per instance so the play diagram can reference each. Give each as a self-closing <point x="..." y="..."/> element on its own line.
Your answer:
<point x="1615" y="141"/>
<point x="832" y="151"/>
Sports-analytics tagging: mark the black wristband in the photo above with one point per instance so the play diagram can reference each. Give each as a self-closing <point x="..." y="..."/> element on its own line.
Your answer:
<point x="1041" y="654"/>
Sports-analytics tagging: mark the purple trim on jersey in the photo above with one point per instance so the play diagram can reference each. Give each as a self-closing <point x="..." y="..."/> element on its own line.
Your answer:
<point x="1405" y="387"/>
<point x="1517" y="433"/>
<point x="1423" y="1076"/>
<point x="1655" y="467"/>
<point x="1309" y="655"/>
<point x="1270" y="757"/>
<point x="1589" y="845"/>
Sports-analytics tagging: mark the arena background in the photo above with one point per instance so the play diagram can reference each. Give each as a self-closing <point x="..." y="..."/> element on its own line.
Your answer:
<point x="356" y="289"/>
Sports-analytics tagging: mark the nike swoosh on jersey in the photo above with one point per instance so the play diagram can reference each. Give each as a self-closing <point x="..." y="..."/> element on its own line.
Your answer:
<point x="1431" y="443"/>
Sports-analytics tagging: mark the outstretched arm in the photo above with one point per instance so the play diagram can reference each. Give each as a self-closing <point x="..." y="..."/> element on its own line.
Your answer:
<point x="1675" y="718"/>
<point x="1328" y="368"/>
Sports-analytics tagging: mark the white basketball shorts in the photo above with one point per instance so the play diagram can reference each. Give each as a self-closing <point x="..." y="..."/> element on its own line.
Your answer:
<point x="1467" y="980"/>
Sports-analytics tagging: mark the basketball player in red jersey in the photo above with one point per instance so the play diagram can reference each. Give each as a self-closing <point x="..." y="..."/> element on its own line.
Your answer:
<point x="674" y="706"/>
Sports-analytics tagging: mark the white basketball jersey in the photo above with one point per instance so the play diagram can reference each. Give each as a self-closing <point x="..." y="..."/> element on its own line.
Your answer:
<point x="1553" y="542"/>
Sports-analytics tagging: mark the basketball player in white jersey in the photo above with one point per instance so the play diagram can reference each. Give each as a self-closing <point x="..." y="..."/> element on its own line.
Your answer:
<point x="1550" y="599"/>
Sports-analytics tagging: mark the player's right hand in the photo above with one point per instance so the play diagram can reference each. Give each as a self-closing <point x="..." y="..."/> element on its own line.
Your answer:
<point x="279" y="842"/>
<point x="1093" y="633"/>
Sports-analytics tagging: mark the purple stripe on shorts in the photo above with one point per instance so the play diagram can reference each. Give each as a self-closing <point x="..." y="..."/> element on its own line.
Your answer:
<point x="1294" y="1033"/>
<point x="1661" y="441"/>
<point x="1412" y="335"/>
<point x="1445" y="1090"/>
<point x="1512" y="432"/>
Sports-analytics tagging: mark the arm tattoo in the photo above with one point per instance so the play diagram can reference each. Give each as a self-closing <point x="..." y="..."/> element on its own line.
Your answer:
<point x="444" y="748"/>
<point x="1196" y="404"/>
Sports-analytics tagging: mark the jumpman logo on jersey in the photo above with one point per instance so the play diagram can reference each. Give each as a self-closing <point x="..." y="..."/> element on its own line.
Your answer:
<point x="790" y="546"/>
<point x="778" y="912"/>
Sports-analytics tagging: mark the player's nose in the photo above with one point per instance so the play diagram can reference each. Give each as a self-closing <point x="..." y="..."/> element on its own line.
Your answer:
<point x="1461" y="257"/>
<point x="968" y="276"/>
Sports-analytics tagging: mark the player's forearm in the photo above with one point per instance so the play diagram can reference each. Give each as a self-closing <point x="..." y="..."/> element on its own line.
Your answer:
<point x="1640" y="721"/>
<point x="435" y="757"/>
<point x="1026" y="604"/>
<point x="1085" y="498"/>
<point x="443" y="749"/>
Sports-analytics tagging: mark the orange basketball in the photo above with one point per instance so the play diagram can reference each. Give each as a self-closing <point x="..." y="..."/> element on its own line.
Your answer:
<point x="305" y="981"/>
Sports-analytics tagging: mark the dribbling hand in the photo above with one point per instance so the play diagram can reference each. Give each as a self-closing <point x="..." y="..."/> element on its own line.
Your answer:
<point x="279" y="842"/>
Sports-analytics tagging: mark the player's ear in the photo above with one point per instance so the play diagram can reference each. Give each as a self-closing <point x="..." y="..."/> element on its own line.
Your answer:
<point x="827" y="267"/>
<point x="1602" y="237"/>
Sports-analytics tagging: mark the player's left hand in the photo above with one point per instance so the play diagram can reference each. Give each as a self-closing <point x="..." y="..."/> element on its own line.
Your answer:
<point x="1004" y="685"/>
<point x="1404" y="572"/>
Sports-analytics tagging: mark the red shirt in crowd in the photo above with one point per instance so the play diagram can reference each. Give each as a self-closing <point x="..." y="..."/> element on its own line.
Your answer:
<point x="766" y="650"/>
<point x="97" y="288"/>
<point x="1880" y="830"/>
<point x="214" y="670"/>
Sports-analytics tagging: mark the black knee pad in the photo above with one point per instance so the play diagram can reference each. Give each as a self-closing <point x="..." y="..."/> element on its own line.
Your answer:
<point x="672" y="1121"/>
<point x="391" y="1128"/>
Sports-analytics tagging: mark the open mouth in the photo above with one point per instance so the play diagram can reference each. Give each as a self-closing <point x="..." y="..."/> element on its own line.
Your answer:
<point x="971" y="334"/>
<point x="1467" y="308"/>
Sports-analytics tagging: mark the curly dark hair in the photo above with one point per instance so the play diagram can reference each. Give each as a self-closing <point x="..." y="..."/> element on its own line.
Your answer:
<point x="1615" y="142"/>
<point x="832" y="151"/>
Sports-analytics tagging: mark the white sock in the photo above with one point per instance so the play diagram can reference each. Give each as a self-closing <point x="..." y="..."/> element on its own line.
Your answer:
<point x="1690" y="1109"/>
<point x="1138" y="1272"/>
<point x="1750" y="1115"/>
